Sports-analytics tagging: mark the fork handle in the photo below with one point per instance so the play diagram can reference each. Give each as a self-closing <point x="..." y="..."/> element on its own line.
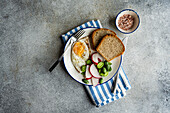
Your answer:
<point x="59" y="60"/>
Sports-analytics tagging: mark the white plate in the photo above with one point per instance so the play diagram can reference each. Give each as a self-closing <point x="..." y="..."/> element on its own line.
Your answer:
<point x="78" y="76"/>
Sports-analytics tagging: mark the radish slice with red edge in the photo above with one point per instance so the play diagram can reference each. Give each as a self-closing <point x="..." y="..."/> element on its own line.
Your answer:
<point x="87" y="74"/>
<point x="96" y="58"/>
<point x="94" y="72"/>
<point x="95" y="81"/>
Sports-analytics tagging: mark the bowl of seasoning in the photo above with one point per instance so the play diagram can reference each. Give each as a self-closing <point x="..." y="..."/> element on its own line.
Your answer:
<point x="127" y="21"/>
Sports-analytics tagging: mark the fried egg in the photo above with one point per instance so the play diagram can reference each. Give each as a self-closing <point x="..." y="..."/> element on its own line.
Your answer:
<point x="80" y="53"/>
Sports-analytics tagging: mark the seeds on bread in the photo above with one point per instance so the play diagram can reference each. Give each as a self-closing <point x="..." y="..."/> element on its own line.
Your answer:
<point x="98" y="34"/>
<point x="110" y="47"/>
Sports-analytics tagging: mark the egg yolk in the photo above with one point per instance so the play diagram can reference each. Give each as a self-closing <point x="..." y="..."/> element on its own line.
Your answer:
<point x="78" y="48"/>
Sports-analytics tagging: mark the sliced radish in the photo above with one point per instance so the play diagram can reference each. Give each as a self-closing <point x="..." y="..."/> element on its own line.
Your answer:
<point x="87" y="74"/>
<point x="94" y="72"/>
<point x="99" y="60"/>
<point x="95" y="81"/>
<point x="96" y="58"/>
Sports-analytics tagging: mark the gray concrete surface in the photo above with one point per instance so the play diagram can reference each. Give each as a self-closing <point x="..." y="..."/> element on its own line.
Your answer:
<point x="30" y="42"/>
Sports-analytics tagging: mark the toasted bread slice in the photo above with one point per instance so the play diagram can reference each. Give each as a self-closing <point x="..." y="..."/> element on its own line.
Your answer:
<point x="110" y="47"/>
<point x="98" y="34"/>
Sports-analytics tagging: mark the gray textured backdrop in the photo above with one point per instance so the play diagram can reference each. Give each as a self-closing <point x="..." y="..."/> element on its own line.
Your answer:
<point x="30" y="42"/>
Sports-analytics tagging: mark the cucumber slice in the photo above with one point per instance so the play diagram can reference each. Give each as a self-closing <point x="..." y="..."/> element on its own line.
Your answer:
<point x="100" y="70"/>
<point x="83" y="68"/>
<point x="109" y="63"/>
<point x="88" y="62"/>
<point x="85" y="81"/>
<point x="101" y="80"/>
<point x="106" y="74"/>
<point x="106" y="63"/>
<point x="108" y="67"/>
<point x="100" y="65"/>
<point x="101" y="74"/>
<point x="104" y="70"/>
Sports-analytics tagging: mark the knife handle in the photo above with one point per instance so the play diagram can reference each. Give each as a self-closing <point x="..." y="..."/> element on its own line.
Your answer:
<point x="59" y="60"/>
<point x="56" y="63"/>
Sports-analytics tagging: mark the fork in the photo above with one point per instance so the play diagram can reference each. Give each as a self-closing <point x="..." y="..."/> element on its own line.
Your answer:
<point x="117" y="77"/>
<point x="74" y="38"/>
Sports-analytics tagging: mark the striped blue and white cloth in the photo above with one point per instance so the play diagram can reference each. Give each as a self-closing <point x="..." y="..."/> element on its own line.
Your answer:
<point x="103" y="94"/>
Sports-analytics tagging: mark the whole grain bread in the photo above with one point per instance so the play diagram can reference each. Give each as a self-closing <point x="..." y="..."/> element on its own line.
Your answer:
<point x="98" y="34"/>
<point x="110" y="47"/>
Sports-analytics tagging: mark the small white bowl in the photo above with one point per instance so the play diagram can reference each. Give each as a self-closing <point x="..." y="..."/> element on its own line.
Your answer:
<point x="135" y="24"/>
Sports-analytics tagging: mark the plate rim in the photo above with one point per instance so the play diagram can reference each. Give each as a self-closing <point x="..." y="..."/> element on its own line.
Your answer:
<point x="84" y="83"/>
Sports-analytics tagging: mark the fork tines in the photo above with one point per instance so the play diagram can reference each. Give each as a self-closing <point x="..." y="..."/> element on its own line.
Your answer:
<point x="79" y="33"/>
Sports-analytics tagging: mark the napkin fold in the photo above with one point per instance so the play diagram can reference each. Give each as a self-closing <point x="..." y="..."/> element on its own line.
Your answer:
<point x="103" y="94"/>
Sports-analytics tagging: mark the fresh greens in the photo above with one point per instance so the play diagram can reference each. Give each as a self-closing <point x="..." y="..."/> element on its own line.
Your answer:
<point x="85" y="81"/>
<point x="104" y="70"/>
<point x="101" y="80"/>
<point x="100" y="65"/>
<point x="88" y="62"/>
<point x="83" y="68"/>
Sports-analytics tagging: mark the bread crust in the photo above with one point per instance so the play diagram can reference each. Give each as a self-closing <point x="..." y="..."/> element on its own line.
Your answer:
<point x="101" y="43"/>
<point x="94" y="32"/>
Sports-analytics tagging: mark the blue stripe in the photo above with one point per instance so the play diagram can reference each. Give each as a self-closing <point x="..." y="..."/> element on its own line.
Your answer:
<point x="66" y="35"/>
<point x="107" y="102"/>
<point x="81" y="27"/>
<point x="91" y="23"/>
<point x="119" y="87"/>
<point x="97" y="23"/>
<point x="124" y="85"/>
<point x="69" y="37"/>
<point x="117" y="92"/>
<point x="94" y="96"/>
<point x="94" y="23"/>
<point x="108" y="87"/>
<point x="71" y="32"/>
<point x="121" y="93"/>
<point x="125" y="75"/>
<point x="120" y="90"/>
<point x="112" y="81"/>
<point x="116" y="96"/>
<point x="76" y="29"/>
<point x="102" y="87"/>
<point x="64" y="39"/>
<point x="86" y="24"/>
<point x="99" y="93"/>
<point x="102" y="104"/>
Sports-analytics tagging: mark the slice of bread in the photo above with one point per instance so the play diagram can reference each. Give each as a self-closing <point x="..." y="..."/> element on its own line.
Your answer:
<point x="98" y="34"/>
<point x="110" y="47"/>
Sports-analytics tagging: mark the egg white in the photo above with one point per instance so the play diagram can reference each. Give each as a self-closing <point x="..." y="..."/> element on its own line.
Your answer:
<point x="78" y="61"/>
